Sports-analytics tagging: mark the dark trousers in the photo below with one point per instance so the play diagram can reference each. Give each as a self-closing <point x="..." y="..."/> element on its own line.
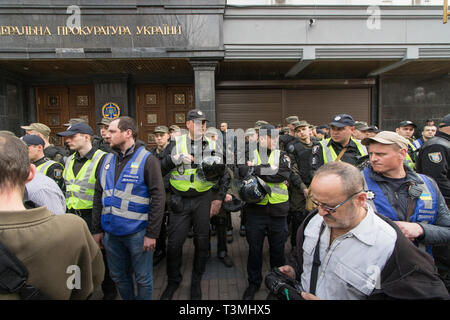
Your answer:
<point x="186" y="212"/>
<point x="296" y="219"/>
<point x="161" y="241"/>
<point x="256" y="227"/>
<point x="107" y="284"/>
<point x="220" y="221"/>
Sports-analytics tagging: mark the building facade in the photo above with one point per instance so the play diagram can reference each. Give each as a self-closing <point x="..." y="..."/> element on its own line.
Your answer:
<point x="155" y="60"/>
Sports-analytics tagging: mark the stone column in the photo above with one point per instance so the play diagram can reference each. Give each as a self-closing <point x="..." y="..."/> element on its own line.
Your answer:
<point x="205" y="93"/>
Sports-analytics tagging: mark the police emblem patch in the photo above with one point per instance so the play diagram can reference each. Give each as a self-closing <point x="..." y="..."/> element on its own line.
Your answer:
<point x="337" y="118"/>
<point x="57" y="173"/>
<point x="435" y="157"/>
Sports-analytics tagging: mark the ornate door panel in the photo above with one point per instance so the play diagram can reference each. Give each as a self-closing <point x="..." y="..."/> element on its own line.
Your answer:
<point x="161" y="105"/>
<point x="56" y="105"/>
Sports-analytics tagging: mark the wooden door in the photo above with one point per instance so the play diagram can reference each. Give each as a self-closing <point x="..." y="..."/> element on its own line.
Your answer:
<point x="57" y="104"/>
<point x="158" y="105"/>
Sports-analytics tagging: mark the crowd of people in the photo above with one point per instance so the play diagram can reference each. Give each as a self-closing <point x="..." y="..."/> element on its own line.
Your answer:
<point x="367" y="210"/>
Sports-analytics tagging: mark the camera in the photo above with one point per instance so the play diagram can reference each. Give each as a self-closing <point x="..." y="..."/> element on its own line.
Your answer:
<point x="282" y="286"/>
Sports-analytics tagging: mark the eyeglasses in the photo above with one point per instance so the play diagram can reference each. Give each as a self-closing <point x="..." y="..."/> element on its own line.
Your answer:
<point x="333" y="209"/>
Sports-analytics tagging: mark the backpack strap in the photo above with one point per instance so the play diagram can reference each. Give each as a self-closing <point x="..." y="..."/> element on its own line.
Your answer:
<point x="14" y="276"/>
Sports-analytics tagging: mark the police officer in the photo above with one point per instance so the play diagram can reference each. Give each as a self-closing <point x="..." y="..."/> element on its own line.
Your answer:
<point x="406" y="130"/>
<point x="412" y="200"/>
<point x="268" y="215"/>
<point x="50" y="168"/>
<point x="80" y="174"/>
<point x="160" y="151"/>
<point x="191" y="202"/>
<point x="340" y="146"/>
<point x="101" y="142"/>
<point x="51" y="151"/>
<point x="219" y="222"/>
<point x="434" y="158"/>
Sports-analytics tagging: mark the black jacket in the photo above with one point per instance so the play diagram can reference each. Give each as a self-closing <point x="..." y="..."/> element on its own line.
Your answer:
<point x="409" y="273"/>
<point x="434" y="161"/>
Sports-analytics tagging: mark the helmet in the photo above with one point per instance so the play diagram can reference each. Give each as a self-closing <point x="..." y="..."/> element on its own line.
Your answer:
<point x="232" y="206"/>
<point x="253" y="189"/>
<point x="211" y="168"/>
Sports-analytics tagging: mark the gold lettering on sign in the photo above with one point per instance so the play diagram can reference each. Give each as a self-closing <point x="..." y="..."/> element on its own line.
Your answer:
<point x="163" y="30"/>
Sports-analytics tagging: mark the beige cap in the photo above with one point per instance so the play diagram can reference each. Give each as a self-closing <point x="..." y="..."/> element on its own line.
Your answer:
<point x="387" y="137"/>
<point x="39" y="127"/>
<point x="260" y="123"/>
<point x="301" y="123"/>
<point x="250" y="132"/>
<point x="162" y="129"/>
<point x="291" y="119"/>
<point x="211" y="131"/>
<point x="174" y="127"/>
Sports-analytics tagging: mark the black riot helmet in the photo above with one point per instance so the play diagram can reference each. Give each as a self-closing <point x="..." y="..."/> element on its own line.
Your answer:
<point x="234" y="205"/>
<point x="253" y="189"/>
<point x="211" y="168"/>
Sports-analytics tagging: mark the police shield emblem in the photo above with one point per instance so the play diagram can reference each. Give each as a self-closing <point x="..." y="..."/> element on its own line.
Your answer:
<point x="435" y="157"/>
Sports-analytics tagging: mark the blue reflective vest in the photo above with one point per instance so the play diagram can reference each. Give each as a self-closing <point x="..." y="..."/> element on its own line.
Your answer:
<point x="127" y="203"/>
<point x="426" y="205"/>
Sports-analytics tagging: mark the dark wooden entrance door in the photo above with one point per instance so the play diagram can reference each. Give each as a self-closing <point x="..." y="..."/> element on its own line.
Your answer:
<point x="158" y="105"/>
<point x="57" y="104"/>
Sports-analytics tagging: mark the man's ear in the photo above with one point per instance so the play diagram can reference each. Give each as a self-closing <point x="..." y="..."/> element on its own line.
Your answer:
<point x="32" y="173"/>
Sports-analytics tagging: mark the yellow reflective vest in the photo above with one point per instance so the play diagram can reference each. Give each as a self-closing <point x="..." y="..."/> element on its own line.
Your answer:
<point x="279" y="191"/>
<point x="80" y="189"/>
<point x="330" y="155"/>
<point x="43" y="168"/>
<point x="189" y="178"/>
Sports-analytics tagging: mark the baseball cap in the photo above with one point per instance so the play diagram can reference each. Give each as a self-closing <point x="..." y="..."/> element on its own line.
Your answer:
<point x="301" y="123"/>
<point x="162" y="129"/>
<point x="260" y="123"/>
<point x="361" y="125"/>
<point x="196" y="114"/>
<point x="374" y="129"/>
<point x="268" y="130"/>
<point x="445" y="121"/>
<point x="211" y="131"/>
<point x="323" y="126"/>
<point x="291" y="119"/>
<point x="104" y="122"/>
<point x="39" y="127"/>
<point x="406" y="123"/>
<point x="83" y="128"/>
<point x="73" y="121"/>
<point x="250" y="132"/>
<point x="387" y="137"/>
<point x="342" y="120"/>
<point x="33" y="140"/>
<point x="174" y="127"/>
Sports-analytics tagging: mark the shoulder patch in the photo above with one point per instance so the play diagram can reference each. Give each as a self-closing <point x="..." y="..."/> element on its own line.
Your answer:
<point x="435" y="157"/>
<point x="57" y="173"/>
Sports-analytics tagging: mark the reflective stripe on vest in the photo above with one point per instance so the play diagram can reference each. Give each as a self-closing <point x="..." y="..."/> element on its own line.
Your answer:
<point x="80" y="189"/>
<point x="279" y="191"/>
<point x="43" y="168"/>
<point x="126" y="203"/>
<point x="184" y="182"/>
<point x="426" y="205"/>
<point x="330" y="155"/>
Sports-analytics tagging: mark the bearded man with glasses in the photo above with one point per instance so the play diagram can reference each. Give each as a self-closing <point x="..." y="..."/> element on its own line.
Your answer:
<point x="346" y="251"/>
